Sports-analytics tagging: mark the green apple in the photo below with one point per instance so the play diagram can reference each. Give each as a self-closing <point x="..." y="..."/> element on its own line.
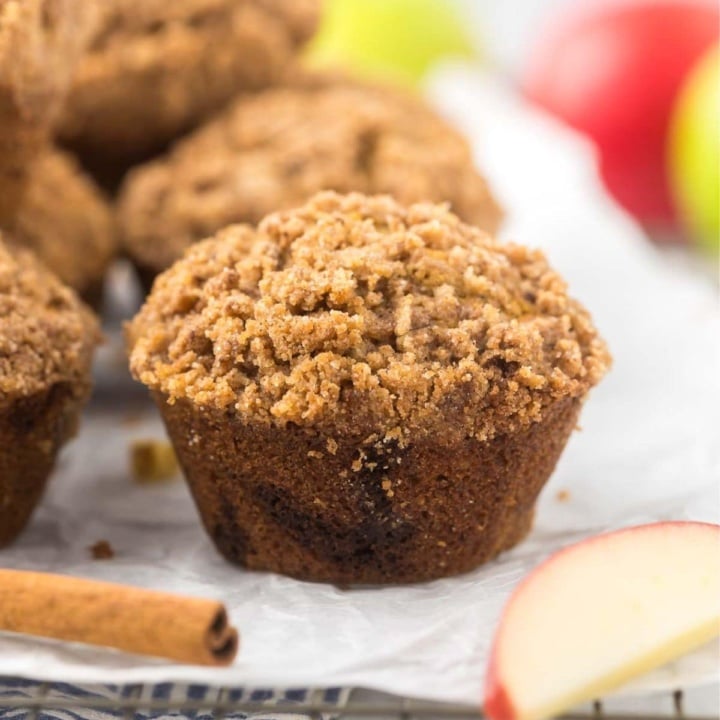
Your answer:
<point x="695" y="151"/>
<point x="397" y="39"/>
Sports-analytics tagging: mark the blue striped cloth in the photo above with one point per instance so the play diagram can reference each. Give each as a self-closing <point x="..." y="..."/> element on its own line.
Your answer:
<point x="279" y="701"/>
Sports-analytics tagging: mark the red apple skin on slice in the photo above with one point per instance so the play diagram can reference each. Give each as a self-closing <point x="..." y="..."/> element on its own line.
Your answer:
<point x="600" y="612"/>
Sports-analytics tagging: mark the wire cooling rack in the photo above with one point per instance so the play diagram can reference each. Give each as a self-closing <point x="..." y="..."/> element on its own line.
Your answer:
<point x="41" y="701"/>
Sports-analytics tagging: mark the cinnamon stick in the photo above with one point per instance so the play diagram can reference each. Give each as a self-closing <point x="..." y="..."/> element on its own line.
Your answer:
<point x="186" y="629"/>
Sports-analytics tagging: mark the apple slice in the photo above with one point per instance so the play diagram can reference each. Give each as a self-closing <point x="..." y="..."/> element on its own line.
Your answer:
<point x="598" y="613"/>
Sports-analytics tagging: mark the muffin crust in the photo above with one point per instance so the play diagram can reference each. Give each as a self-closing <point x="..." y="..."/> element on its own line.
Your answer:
<point x="274" y="150"/>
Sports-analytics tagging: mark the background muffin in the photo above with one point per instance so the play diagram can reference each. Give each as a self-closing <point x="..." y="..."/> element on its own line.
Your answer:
<point x="363" y="392"/>
<point x="40" y="43"/>
<point x="274" y="150"/>
<point x="67" y="222"/>
<point x="157" y="68"/>
<point x="47" y="338"/>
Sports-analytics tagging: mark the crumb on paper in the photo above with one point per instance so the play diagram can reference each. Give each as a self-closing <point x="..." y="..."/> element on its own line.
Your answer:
<point x="562" y="495"/>
<point x="102" y="550"/>
<point x="153" y="461"/>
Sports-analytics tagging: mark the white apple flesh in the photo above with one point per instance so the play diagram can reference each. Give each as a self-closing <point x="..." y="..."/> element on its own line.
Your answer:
<point x="598" y="613"/>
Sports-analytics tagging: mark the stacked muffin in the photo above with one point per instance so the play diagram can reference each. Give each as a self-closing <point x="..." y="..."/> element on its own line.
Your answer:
<point x="47" y="338"/>
<point x="156" y="69"/>
<point x="47" y="335"/>
<point x="276" y="149"/>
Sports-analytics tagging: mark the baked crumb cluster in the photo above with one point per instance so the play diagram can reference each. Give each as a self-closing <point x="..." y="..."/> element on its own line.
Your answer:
<point x="355" y="311"/>
<point x="273" y="151"/>
<point x="46" y="333"/>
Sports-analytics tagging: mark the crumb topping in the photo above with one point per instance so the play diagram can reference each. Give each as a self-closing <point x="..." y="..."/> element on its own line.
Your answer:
<point x="47" y="335"/>
<point x="275" y="149"/>
<point x="356" y="312"/>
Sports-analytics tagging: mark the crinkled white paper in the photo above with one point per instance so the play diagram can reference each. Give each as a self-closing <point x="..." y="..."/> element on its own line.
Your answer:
<point x="648" y="450"/>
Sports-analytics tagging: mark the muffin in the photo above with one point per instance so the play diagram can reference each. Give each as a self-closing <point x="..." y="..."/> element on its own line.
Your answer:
<point x="157" y="69"/>
<point x="47" y="338"/>
<point x="362" y="392"/>
<point x="274" y="150"/>
<point x="67" y="222"/>
<point x="40" y="43"/>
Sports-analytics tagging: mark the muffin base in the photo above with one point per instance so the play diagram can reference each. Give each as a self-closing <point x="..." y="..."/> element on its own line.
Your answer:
<point x="32" y="431"/>
<point x="329" y="509"/>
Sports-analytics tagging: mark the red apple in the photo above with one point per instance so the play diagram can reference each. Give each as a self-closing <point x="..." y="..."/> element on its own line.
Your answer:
<point x="600" y="612"/>
<point x="612" y="71"/>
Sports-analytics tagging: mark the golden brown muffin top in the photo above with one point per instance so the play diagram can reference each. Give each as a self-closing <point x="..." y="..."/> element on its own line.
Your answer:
<point x="46" y="333"/>
<point x="274" y="150"/>
<point x="355" y="312"/>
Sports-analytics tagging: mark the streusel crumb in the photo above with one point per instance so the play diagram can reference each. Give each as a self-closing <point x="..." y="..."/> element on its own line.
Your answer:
<point x="353" y="311"/>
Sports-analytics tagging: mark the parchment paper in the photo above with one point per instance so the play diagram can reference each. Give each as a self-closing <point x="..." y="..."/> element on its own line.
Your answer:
<point x="648" y="450"/>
